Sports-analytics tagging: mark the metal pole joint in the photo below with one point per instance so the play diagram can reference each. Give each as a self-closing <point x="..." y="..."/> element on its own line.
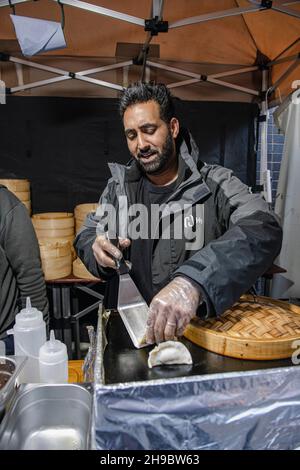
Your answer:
<point x="155" y="26"/>
<point x="267" y="4"/>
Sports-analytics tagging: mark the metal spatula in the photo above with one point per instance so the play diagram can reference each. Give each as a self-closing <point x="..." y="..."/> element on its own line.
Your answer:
<point x="131" y="305"/>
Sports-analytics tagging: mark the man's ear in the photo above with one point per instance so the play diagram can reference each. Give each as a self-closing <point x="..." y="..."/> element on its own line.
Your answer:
<point x="174" y="127"/>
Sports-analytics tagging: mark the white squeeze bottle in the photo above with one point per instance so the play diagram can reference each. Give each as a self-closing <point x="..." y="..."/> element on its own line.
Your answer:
<point x="29" y="335"/>
<point x="53" y="360"/>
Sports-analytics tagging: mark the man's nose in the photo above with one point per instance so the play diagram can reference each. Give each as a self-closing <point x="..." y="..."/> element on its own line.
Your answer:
<point x="142" y="143"/>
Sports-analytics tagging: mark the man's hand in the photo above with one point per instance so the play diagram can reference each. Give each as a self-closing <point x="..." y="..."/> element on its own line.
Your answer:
<point x="106" y="253"/>
<point x="172" y="309"/>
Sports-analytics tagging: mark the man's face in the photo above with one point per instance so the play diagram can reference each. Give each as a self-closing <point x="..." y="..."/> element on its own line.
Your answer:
<point x="150" y="140"/>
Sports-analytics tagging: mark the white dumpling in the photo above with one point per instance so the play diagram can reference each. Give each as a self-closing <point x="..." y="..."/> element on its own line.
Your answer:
<point x="169" y="352"/>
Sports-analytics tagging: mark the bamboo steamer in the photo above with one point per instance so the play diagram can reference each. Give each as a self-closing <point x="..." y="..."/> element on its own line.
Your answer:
<point x="58" y="225"/>
<point x="256" y="328"/>
<point x="81" y="211"/>
<point x="79" y="270"/>
<point x="16" y="185"/>
<point x="53" y="220"/>
<point x="56" y="259"/>
<point x="20" y="188"/>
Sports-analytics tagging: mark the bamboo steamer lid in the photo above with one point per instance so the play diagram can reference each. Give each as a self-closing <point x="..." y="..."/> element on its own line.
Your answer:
<point x="256" y="328"/>
<point x="53" y="220"/>
<point x="16" y="184"/>
<point x="79" y="270"/>
<point x="22" y="195"/>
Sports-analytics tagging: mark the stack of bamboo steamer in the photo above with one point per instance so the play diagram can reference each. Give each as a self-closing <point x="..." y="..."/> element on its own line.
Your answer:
<point x="20" y="188"/>
<point x="55" y="233"/>
<point x="80" y="213"/>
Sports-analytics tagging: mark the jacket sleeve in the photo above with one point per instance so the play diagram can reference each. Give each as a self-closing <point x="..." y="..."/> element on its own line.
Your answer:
<point x="22" y="250"/>
<point x="227" y="267"/>
<point x="93" y="225"/>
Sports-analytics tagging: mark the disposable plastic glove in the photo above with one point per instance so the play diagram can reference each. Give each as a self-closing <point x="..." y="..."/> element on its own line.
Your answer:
<point x="106" y="253"/>
<point x="172" y="309"/>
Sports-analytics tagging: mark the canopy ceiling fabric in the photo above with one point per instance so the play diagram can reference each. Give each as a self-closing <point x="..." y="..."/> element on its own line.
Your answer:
<point x="235" y="41"/>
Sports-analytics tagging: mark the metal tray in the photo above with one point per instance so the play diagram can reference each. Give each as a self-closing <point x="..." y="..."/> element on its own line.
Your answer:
<point x="48" y="417"/>
<point x="10" y="367"/>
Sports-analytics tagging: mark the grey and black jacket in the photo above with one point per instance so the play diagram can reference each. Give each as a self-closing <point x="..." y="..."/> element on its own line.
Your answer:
<point x="238" y="236"/>
<point x="21" y="274"/>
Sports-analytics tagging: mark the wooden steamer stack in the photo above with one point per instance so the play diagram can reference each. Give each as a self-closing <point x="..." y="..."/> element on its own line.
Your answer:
<point x="20" y="188"/>
<point x="55" y="233"/>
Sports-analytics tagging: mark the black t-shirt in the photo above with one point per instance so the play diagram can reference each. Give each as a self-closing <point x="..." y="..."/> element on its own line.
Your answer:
<point x="141" y="249"/>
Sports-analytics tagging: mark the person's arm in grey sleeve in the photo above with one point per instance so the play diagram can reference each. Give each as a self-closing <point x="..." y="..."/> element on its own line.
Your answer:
<point x="228" y="266"/>
<point x="83" y="244"/>
<point x="94" y="225"/>
<point x="22" y="250"/>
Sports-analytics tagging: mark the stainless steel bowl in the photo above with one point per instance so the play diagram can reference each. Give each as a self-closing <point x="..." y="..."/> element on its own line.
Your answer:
<point x="48" y="417"/>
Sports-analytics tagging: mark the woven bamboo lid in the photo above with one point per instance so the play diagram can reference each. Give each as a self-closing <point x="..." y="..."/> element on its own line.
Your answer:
<point x="256" y="328"/>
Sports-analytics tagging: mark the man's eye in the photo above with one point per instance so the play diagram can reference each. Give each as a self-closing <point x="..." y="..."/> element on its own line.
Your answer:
<point x="150" y="130"/>
<point x="131" y="136"/>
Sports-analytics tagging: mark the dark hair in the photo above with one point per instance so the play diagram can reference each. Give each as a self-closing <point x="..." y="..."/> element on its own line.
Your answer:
<point x="140" y="92"/>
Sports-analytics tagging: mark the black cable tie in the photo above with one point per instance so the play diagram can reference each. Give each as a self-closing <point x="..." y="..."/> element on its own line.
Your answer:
<point x="72" y="74"/>
<point x="4" y="57"/>
<point x="262" y="118"/>
<point x="156" y="26"/>
<point x="203" y="78"/>
<point x="267" y="4"/>
<point x="263" y="67"/>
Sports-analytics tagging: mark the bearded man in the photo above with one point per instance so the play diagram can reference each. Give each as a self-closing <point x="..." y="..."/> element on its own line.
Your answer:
<point x="220" y="237"/>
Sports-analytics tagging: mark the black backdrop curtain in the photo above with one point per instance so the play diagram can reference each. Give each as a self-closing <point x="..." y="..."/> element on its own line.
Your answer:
<point x="62" y="145"/>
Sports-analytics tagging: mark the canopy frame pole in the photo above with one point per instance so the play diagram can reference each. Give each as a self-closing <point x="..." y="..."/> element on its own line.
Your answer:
<point x="285" y="59"/>
<point x="285" y="74"/>
<point x="82" y="75"/>
<point x="64" y="74"/>
<point x="206" y="78"/>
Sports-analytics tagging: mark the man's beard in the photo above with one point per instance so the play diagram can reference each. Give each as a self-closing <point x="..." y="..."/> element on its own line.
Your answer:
<point x="161" y="159"/>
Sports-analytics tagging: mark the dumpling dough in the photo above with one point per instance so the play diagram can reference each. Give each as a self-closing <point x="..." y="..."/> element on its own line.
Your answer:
<point x="169" y="352"/>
